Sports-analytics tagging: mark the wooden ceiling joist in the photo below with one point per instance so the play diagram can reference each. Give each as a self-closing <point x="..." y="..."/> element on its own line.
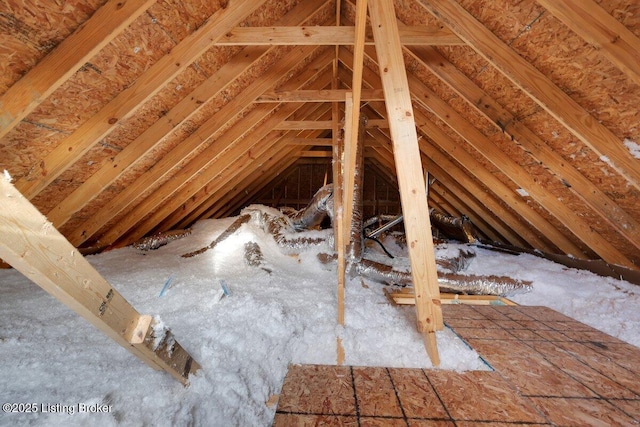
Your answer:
<point x="322" y="124"/>
<point x="337" y="95"/>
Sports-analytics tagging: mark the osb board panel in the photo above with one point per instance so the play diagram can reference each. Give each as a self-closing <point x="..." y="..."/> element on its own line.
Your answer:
<point x="583" y="73"/>
<point x="120" y="138"/>
<point x="181" y="18"/>
<point x="583" y="378"/>
<point x="507" y="19"/>
<point x="577" y="68"/>
<point x="30" y="29"/>
<point x="587" y="162"/>
<point x="172" y="140"/>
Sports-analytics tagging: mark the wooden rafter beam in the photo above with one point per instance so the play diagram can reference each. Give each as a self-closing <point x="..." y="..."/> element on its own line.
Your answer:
<point x="409" y="171"/>
<point x="184" y="110"/>
<point x="150" y="178"/>
<point x="455" y="206"/>
<point x="331" y="35"/>
<point x="501" y="160"/>
<point x="127" y="102"/>
<point x="232" y="175"/>
<point x="543" y="232"/>
<point x="476" y="205"/>
<point x="34" y="247"/>
<point x="224" y="202"/>
<point x="197" y="173"/>
<point x="578" y="226"/>
<point x="501" y="191"/>
<point x="538" y="86"/>
<point x="480" y="203"/>
<point x="591" y="22"/>
<point x="227" y="180"/>
<point x="235" y="188"/>
<point x="68" y="57"/>
<point x="533" y="145"/>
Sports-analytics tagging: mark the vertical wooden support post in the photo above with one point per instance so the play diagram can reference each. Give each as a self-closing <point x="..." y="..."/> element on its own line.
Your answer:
<point x="340" y="246"/>
<point x="348" y="167"/>
<point x="30" y="243"/>
<point x="409" y="171"/>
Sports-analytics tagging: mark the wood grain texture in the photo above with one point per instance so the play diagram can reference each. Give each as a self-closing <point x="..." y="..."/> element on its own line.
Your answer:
<point x="538" y="86"/>
<point x="31" y="244"/>
<point x="72" y="53"/>
<point x="409" y="171"/>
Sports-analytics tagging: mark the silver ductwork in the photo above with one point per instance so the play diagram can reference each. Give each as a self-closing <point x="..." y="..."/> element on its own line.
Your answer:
<point x="321" y="206"/>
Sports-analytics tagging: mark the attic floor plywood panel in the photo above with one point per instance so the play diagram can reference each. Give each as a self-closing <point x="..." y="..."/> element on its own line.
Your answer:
<point x="548" y="370"/>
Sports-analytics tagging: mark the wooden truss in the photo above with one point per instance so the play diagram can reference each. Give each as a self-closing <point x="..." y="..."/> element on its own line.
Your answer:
<point x="30" y="243"/>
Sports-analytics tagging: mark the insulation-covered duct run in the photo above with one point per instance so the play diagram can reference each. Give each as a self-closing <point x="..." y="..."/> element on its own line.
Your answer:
<point x="354" y="249"/>
<point x="242" y="219"/>
<point x="160" y="239"/>
<point x="281" y="228"/>
<point x="459" y="228"/>
<point x="320" y="207"/>
<point x="448" y="282"/>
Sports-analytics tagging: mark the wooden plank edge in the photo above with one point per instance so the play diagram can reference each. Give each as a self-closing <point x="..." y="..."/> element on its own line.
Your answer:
<point x="406" y="297"/>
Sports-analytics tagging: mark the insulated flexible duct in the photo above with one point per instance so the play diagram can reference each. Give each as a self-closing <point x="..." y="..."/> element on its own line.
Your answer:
<point x="354" y="250"/>
<point x="460" y="228"/>
<point x="448" y="282"/>
<point x="160" y="239"/>
<point x="321" y="206"/>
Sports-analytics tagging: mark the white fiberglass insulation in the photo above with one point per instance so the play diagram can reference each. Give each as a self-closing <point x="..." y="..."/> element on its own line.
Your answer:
<point x="281" y="312"/>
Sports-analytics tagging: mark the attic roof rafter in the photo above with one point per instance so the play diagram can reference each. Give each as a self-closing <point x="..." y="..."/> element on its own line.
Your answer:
<point x="184" y="110"/>
<point x="597" y="27"/>
<point x="479" y="172"/>
<point x="70" y="55"/>
<point x="227" y="148"/>
<point x="533" y="145"/>
<point x="130" y="99"/>
<point x="538" y="86"/>
<point x="218" y="120"/>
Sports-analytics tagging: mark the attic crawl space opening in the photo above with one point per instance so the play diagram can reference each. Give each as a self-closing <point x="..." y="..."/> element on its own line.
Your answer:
<point x="120" y="120"/>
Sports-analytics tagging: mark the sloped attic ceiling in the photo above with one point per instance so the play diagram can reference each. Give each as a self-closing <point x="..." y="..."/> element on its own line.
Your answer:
<point x="119" y="118"/>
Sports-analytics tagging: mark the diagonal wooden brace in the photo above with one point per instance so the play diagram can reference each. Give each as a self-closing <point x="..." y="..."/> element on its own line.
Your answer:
<point x="30" y="243"/>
